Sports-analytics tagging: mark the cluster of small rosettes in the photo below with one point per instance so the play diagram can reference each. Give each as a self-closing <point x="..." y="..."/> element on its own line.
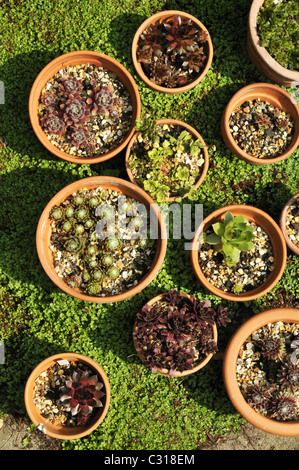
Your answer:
<point x="71" y="105"/>
<point x="171" y="51"/>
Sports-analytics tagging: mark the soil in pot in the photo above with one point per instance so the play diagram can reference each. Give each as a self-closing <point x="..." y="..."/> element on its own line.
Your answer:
<point x="248" y="272"/>
<point x="100" y="241"/>
<point x="69" y="393"/>
<point x="267" y="371"/>
<point x="278" y="30"/>
<point x="85" y="110"/>
<point x="166" y="159"/>
<point x="172" y="52"/>
<point x="176" y="334"/>
<point x="261" y="129"/>
<point x="292" y="223"/>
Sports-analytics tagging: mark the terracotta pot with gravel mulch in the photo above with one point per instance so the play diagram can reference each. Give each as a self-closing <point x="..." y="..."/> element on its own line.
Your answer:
<point x="101" y="239"/>
<point x="172" y="51"/>
<point x="261" y="371"/>
<point x="83" y="106"/>
<point x="258" y="268"/>
<point x="289" y="223"/>
<point x="67" y="396"/>
<point x="260" y="124"/>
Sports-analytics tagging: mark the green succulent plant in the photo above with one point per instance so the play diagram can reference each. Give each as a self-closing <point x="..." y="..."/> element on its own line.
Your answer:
<point x="231" y="236"/>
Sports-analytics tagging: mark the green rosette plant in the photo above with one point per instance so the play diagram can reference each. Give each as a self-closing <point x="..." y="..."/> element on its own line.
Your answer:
<point x="231" y="236"/>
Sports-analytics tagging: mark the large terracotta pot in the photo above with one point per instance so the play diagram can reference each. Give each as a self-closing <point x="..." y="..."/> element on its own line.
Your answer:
<point x="274" y="95"/>
<point x="261" y="58"/>
<point x="282" y="223"/>
<point x="60" y="431"/>
<point x="262" y="219"/>
<point x="199" y="366"/>
<point x="159" y="18"/>
<point x="123" y="187"/>
<point x="189" y="129"/>
<point x="230" y="377"/>
<point x="77" y="58"/>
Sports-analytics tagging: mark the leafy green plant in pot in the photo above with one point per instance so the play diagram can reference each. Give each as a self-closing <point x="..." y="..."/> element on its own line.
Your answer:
<point x="175" y="334"/>
<point x="167" y="158"/>
<point x="238" y="252"/>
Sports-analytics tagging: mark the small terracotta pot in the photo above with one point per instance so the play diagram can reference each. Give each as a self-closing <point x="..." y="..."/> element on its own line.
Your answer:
<point x="282" y="223"/>
<point x="262" y="219"/>
<point x="123" y="187"/>
<point x="79" y="58"/>
<point x="60" y="431"/>
<point x="189" y="129"/>
<point x="177" y="373"/>
<point x="159" y="18"/>
<point x="274" y="95"/>
<point x="230" y="378"/>
<point x="261" y="58"/>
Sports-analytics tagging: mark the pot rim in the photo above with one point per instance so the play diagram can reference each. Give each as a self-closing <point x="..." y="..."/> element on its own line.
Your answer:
<point x="199" y="366"/>
<point x="188" y="128"/>
<point x="229" y="371"/>
<point x="262" y="51"/>
<point x="43" y="230"/>
<point x="277" y="240"/>
<point x="239" y="96"/>
<point x="282" y="223"/>
<point x="50" y="69"/>
<point x="59" y="431"/>
<point x="154" y="18"/>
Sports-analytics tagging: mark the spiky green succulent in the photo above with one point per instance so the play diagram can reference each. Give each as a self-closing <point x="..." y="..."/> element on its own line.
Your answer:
<point x="231" y="236"/>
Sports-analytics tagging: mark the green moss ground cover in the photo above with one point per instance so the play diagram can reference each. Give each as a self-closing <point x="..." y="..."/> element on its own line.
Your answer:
<point x="36" y="319"/>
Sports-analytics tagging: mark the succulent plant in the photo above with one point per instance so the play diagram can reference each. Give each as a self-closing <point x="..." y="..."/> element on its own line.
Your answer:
<point x="175" y="333"/>
<point x="78" y="136"/>
<point x="57" y="213"/>
<point x="262" y="120"/>
<point x="289" y="375"/>
<point x="71" y="86"/>
<point x="75" y="111"/>
<point x="231" y="236"/>
<point x="283" y="407"/>
<point x="271" y="347"/>
<point x="82" y="393"/>
<point x="258" y="398"/>
<point x="181" y="34"/>
<point x="53" y="123"/>
<point x="49" y="100"/>
<point x="195" y="59"/>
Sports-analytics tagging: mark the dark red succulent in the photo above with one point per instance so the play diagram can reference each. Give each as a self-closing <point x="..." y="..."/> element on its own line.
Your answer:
<point x="49" y="100"/>
<point x="71" y="86"/>
<point x="78" y="136"/>
<point x="181" y="34"/>
<point x="53" y="123"/>
<point x="75" y="111"/>
<point x="82" y="393"/>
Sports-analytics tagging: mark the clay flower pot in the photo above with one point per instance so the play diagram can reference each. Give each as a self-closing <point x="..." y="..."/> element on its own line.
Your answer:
<point x="160" y="18"/>
<point x="124" y="188"/>
<point x="79" y="58"/>
<point x="272" y="94"/>
<point x="281" y="428"/>
<point x="261" y="58"/>
<point x="282" y="223"/>
<point x="260" y="218"/>
<point x="60" y="431"/>
<point x="186" y="127"/>
<point x="165" y="371"/>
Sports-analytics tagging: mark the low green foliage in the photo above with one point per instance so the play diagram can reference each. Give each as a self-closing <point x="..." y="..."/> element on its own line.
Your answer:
<point x="278" y="29"/>
<point x="147" y="411"/>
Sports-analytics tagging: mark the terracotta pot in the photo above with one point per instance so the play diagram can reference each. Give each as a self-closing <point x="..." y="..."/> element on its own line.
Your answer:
<point x="261" y="58"/>
<point x="76" y="58"/>
<point x="282" y="223"/>
<point x="177" y="373"/>
<point x="60" y="431"/>
<point x="230" y="377"/>
<point x="159" y="18"/>
<point x="189" y="129"/>
<point x="277" y="241"/>
<point x="123" y="187"/>
<point x="274" y="95"/>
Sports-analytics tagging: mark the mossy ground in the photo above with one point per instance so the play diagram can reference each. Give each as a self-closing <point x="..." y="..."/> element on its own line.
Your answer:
<point x="37" y="319"/>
